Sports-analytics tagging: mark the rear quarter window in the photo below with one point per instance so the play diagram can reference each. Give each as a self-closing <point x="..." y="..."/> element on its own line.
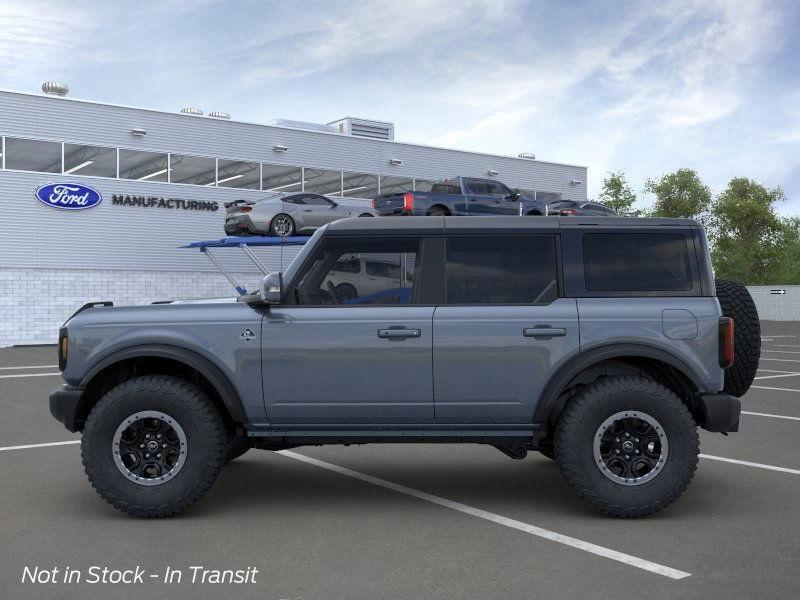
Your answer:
<point x="636" y="262"/>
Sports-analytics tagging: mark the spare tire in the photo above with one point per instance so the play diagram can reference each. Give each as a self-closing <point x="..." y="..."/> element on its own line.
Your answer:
<point x="736" y="303"/>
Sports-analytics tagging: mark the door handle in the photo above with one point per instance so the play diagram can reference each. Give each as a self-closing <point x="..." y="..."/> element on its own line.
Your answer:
<point x="307" y="210"/>
<point x="397" y="334"/>
<point x="544" y="332"/>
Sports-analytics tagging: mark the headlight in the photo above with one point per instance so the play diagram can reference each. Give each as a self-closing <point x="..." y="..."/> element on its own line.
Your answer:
<point x="63" y="348"/>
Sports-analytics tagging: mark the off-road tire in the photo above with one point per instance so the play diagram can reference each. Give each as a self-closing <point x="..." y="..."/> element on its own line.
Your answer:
<point x="579" y="423"/>
<point x="237" y="446"/>
<point x="206" y="444"/>
<point x="736" y="303"/>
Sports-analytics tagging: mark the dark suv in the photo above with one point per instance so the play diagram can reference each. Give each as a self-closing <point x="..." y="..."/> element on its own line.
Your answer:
<point x="602" y="343"/>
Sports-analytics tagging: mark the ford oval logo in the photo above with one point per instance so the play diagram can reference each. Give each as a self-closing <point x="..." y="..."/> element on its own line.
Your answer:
<point x="68" y="196"/>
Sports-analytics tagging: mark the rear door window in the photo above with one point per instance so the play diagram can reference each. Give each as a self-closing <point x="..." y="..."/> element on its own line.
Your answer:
<point x="636" y="262"/>
<point x="501" y="270"/>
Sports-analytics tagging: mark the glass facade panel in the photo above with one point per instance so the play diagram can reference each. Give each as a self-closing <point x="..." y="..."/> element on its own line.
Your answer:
<point x="33" y="155"/>
<point x="360" y="185"/>
<point x="196" y="170"/>
<point x="236" y="174"/>
<point x="97" y="161"/>
<point x="321" y="181"/>
<point x="144" y="166"/>
<point x="396" y="185"/>
<point x="280" y="178"/>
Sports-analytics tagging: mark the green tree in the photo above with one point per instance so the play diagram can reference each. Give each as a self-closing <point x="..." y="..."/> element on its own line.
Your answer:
<point x="750" y="241"/>
<point x="680" y="195"/>
<point x="618" y="195"/>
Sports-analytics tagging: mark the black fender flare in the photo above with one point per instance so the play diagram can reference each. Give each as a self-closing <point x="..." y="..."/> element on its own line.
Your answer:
<point x="218" y="380"/>
<point x="586" y="359"/>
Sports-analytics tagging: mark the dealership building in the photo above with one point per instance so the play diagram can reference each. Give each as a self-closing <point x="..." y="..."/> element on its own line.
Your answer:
<point x="161" y="180"/>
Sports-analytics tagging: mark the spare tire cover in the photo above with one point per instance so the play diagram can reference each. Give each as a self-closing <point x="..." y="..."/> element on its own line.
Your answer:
<point x="736" y="303"/>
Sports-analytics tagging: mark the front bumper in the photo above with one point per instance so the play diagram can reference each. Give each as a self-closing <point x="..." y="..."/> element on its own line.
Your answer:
<point x="721" y="412"/>
<point x="66" y="402"/>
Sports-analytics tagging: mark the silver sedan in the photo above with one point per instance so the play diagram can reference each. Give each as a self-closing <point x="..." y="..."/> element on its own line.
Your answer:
<point x="287" y="214"/>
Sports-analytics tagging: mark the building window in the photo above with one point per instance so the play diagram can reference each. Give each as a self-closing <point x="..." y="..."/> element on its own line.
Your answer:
<point x="396" y="185"/>
<point x="281" y="178"/>
<point x="97" y="161"/>
<point x="195" y="170"/>
<point x="237" y="174"/>
<point x="33" y="155"/>
<point x="423" y="185"/>
<point x="320" y="181"/>
<point x="359" y="185"/>
<point x="143" y="166"/>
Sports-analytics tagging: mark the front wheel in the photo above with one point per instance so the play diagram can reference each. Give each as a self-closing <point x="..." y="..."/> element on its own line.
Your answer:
<point x="627" y="445"/>
<point x="153" y="445"/>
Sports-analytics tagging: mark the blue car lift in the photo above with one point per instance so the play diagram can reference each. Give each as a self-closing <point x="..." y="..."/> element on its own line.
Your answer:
<point x="246" y="244"/>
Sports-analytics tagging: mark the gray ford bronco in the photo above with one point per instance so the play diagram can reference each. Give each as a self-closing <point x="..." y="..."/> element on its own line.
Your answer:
<point x="603" y="343"/>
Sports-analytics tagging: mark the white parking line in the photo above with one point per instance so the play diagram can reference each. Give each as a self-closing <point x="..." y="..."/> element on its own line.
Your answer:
<point x="757" y="414"/>
<point x="785" y="346"/>
<point x="763" y="387"/>
<point x="634" y="561"/>
<point x="780" y="359"/>
<point x="781" y="351"/>
<point x="751" y="464"/>
<point x="29" y="367"/>
<point x="778" y="336"/>
<point x="28" y="375"/>
<point x="39" y="445"/>
<point x="776" y="376"/>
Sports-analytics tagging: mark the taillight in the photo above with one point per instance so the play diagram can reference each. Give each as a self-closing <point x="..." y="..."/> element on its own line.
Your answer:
<point x="63" y="348"/>
<point x="567" y="212"/>
<point x="247" y="209"/>
<point x="374" y="200"/>
<point x="408" y="202"/>
<point x="726" y="326"/>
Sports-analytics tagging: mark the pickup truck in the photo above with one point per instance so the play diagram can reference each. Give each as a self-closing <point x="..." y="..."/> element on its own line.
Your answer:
<point x="460" y="196"/>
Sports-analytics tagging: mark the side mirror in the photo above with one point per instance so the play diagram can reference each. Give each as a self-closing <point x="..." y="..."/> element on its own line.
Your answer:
<point x="272" y="288"/>
<point x="334" y="204"/>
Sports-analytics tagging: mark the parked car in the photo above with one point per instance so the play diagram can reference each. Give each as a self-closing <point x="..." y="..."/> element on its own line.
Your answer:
<point x="285" y="214"/>
<point x="574" y="208"/>
<point x="358" y="278"/>
<point x="460" y="196"/>
<point x="601" y="345"/>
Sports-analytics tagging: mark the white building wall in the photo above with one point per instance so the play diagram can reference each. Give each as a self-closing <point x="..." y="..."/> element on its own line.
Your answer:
<point x="34" y="303"/>
<point x="775" y="306"/>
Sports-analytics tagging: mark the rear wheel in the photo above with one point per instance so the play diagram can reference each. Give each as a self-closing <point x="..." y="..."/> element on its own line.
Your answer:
<point x="282" y="225"/>
<point x="438" y="211"/>
<point x="736" y="303"/>
<point x="627" y="445"/>
<point x="153" y="445"/>
<point x="366" y="215"/>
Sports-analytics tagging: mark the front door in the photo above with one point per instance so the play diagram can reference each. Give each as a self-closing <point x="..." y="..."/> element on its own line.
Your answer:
<point x="490" y="198"/>
<point x="341" y="351"/>
<point x="319" y="210"/>
<point x="503" y="330"/>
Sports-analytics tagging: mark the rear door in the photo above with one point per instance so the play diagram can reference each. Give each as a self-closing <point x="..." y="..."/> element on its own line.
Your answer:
<point x="503" y="329"/>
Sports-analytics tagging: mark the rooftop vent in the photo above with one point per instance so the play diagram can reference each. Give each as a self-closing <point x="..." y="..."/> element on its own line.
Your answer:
<point x="376" y="130"/>
<point x="52" y="88"/>
<point x="303" y="125"/>
<point x="192" y="111"/>
<point x="527" y="155"/>
<point x="219" y="115"/>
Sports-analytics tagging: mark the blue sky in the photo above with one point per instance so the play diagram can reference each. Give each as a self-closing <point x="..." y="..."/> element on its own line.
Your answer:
<point x="640" y="87"/>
